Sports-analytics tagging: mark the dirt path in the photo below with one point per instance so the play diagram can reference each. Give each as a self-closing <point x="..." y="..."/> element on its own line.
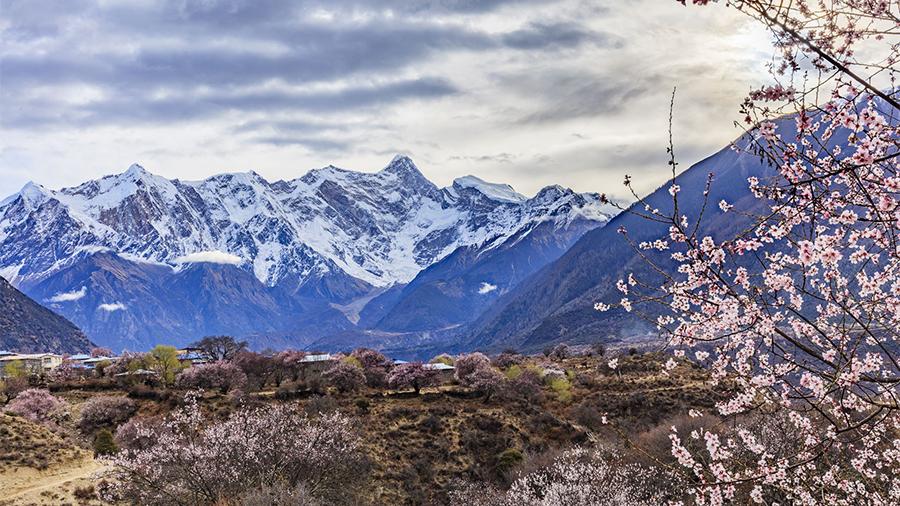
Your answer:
<point x="27" y="485"/>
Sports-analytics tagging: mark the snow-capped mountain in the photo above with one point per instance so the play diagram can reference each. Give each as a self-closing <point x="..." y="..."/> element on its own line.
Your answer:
<point x="332" y="235"/>
<point x="381" y="228"/>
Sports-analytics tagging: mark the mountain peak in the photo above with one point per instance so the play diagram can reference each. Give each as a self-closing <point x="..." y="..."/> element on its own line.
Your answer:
<point x="32" y="194"/>
<point x="403" y="165"/>
<point x="136" y="170"/>
<point x="494" y="191"/>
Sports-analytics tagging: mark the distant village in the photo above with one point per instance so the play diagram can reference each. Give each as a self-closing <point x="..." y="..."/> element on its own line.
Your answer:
<point x="40" y="364"/>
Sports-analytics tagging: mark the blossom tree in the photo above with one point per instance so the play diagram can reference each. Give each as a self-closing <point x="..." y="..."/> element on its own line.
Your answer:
<point x="474" y="370"/>
<point x="375" y="366"/>
<point x="345" y="376"/>
<point x="38" y="405"/>
<point x="467" y="364"/>
<point x="222" y="376"/>
<point x="578" y="477"/>
<point x="192" y="460"/>
<point x="798" y="311"/>
<point x="412" y="375"/>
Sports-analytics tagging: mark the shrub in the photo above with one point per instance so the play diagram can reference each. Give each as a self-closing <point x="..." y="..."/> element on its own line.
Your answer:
<point x="508" y="459"/>
<point x="562" y="387"/>
<point x="86" y="493"/>
<point x="508" y="359"/>
<point x="345" y="376"/>
<point x="560" y="351"/>
<point x="222" y="376"/>
<point x="198" y="461"/>
<point x="104" y="444"/>
<point x="104" y="411"/>
<point x="524" y="384"/>
<point x="320" y="405"/>
<point x="38" y="405"/>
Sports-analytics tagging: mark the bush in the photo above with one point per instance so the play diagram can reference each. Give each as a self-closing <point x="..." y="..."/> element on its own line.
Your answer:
<point x="105" y="411"/>
<point x="562" y="387"/>
<point x="86" y="493"/>
<point x="38" y="405"/>
<point x="508" y="459"/>
<point x="320" y="405"/>
<point x="199" y="461"/>
<point x="345" y="376"/>
<point x="104" y="444"/>
<point x="560" y="352"/>
<point x="523" y="384"/>
<point x="222" y="376"/>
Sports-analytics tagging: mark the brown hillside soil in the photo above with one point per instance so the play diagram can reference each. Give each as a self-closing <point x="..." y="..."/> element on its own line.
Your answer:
<point x="417" y="445"/>
<point x="38" y="466"/>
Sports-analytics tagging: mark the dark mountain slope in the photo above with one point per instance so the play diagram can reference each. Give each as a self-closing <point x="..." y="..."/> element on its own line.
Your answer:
<point x="135" y="305"/>
<point x="456" y="290"/>
<point x="557" y="304"/>
<point x="28" y="327"/>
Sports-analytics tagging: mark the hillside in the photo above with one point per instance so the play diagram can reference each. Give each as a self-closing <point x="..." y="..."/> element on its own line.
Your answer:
<point x="557" y="303"/>
<point x="28" y="327"/>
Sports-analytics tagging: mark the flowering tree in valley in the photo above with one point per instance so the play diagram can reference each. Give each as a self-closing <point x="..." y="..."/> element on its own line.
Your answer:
<point x="798" y="311"/>
<point x="375" y="366"/>
<point x="105" y="410"/>
<point x="413" y="375"/>
<point x="467" y="364"/>
<point x="578" y="477"/>
<point x="222" y="376"/>
<point x="38" y="405"/>
<point x="345" y="376"/>
<point x="195" y="461"/>
<point x="474" y="370"/>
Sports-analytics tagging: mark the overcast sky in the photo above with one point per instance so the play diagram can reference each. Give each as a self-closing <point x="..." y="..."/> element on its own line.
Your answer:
<point x="525" y="92"/>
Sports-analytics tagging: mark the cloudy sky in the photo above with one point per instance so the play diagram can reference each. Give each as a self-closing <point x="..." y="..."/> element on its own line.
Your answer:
<point x="526" y="92"/>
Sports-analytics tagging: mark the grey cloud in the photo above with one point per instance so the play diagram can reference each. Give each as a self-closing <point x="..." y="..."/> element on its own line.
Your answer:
<point x="313" y="144"/>
<point x="555" y="35"/>
<point x="562" y="93"/>
<point x="496" y="158"/>
<point x="183" y="108"/>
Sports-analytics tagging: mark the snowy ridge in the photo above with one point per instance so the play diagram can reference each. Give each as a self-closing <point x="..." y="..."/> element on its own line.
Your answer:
<point x="382" y="228"/>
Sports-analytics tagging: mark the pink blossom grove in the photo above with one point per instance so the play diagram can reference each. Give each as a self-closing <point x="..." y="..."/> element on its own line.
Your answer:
<point x="195" y="460"/>
<point x="799" y="310"/>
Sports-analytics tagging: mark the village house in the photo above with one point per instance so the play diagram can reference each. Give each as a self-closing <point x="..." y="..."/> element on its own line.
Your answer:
<point x="315" y="364"/>
<point x="34" y="363"/>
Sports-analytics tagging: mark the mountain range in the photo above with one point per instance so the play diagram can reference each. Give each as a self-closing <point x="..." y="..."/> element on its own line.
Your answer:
<point x="136" y="259"/>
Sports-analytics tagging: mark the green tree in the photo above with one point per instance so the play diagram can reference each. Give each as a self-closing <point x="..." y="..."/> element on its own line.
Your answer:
<point x="164" y="360"/>
<point x="104" y="443"/>
<point x="15" y="369"/>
